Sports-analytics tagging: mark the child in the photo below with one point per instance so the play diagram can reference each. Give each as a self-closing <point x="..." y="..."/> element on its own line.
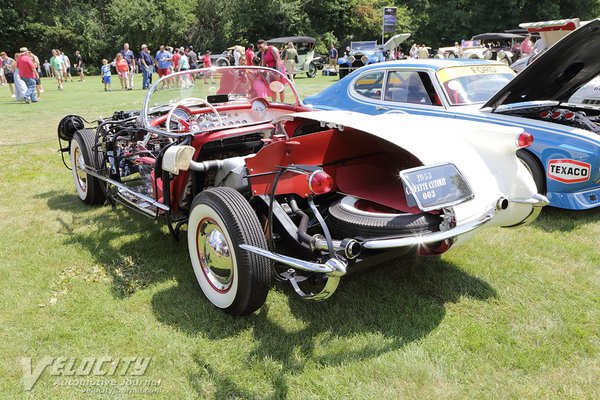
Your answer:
<point x="105" y="75"/>
<point x="123" y="71"/>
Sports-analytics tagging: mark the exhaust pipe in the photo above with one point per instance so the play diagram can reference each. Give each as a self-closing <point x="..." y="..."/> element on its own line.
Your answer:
<point x="350" y="248"/>
<point x="502" y="204"/>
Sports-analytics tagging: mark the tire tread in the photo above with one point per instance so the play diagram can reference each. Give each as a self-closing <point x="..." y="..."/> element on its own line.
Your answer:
<point x="95" y="194"/>
<point x="347" y="224"/>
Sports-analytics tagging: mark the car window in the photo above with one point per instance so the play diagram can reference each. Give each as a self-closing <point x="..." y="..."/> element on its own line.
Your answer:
<point x="370" y="85"/>
<point x="410" y="87"/>
<point x="466" y="85"/>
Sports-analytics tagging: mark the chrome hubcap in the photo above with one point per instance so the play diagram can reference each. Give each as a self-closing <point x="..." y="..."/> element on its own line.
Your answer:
<point x="215" y="256"/>
<point x="79" y="164"/>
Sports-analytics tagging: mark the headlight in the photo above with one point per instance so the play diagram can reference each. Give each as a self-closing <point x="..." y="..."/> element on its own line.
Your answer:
<point x="351" y="59"/>
<point x="364" y="59"/>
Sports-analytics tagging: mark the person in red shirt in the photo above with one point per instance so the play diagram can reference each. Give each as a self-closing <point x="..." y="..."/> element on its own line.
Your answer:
<point x="175" y="59"/>
<point x="249" y="54"/>
<point x="28" y="73"/>
<point x="207" y="64"/>
<point x="122" y="70"/>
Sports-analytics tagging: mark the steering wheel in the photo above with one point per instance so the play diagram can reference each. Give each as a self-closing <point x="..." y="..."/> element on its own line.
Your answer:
<point x="186" y="123"/>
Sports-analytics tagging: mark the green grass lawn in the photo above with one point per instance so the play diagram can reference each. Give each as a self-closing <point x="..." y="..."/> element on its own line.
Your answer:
<point x="512" y="314"/>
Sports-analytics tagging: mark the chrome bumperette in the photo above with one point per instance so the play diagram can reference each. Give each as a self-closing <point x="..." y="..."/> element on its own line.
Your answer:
<point x="537" y="201"/>
<point x="335" y="267"/>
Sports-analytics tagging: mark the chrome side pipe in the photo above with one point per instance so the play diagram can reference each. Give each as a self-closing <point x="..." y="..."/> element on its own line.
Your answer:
<point x="127" y="189"/>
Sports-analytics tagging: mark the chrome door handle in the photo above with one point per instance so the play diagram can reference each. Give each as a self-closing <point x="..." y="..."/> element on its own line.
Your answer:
<point x="382" y="108"/>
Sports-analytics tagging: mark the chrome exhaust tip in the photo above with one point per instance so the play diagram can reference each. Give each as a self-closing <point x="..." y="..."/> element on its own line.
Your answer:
<point x="502" y="203"/>
<point x="351" y="248"/>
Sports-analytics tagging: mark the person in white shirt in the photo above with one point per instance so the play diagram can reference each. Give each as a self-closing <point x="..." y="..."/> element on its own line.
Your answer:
<point x="236" y="55"/>
<point x="67" y="64"/>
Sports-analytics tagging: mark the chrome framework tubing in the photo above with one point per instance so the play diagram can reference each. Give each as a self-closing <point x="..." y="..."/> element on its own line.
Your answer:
<point x="127" y="189"/>
<point x="332" y="266"/>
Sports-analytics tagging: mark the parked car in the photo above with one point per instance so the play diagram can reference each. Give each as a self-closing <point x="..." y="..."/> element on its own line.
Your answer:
<point x="549" y="32"/>
<point x="258" y="178"/>
<point x="320" y="60"/>
<point x="565" y="157"/>
<point x="305" y="46"/>
<point x="358" y="55"/>
<point x="485" y="46"/>
<point x="364" y="53"/>
<point x="589" y="94"/>
<point x="223" y="59"/>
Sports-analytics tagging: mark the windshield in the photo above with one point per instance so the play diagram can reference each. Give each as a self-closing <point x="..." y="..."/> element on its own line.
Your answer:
<point x="363" y="46"/>
<point x="466" y="85"/>
<point x="209" y="98"/>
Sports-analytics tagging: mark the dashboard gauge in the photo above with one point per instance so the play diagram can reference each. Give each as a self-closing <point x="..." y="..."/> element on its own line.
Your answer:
<point x="180" y="120"/>
<point x="180" y="113"/>
<point x="259" y="105"/>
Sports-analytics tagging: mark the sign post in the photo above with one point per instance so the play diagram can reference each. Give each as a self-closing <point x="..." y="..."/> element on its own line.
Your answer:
<point x="389" y="21"/>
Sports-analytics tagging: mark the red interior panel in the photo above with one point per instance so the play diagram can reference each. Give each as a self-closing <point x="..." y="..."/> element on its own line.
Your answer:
<point x="360" y="164"/>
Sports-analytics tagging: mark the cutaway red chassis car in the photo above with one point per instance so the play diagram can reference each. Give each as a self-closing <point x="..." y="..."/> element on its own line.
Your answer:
<point x="270" y="190"/>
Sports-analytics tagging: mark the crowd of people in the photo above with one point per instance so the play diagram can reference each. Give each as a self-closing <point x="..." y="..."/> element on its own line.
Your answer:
<point x="16" y="72"/>
<point x="22" y="75"/>
<point x="23" y="72"/>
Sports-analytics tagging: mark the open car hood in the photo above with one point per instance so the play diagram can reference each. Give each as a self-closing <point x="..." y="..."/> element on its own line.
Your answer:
<point x="395" y="41"/>
<point x="559" y="72"/>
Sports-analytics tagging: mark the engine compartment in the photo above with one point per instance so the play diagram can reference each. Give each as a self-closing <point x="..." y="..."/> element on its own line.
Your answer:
<point x="570" y="115"/>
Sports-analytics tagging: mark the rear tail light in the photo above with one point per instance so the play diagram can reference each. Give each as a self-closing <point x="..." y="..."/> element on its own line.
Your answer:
<point x="569" y="116"/>
<point x="545" y="114"/>
<point x="525" y="139"/>
<point x="320" y="182"/>
<point x="556" y="114"/>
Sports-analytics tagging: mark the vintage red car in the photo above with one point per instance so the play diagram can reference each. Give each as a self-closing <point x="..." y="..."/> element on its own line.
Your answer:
<point x="269" y="189"/>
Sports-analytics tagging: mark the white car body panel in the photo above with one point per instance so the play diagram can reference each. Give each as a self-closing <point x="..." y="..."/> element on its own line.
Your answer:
<point x="484" y="153"/>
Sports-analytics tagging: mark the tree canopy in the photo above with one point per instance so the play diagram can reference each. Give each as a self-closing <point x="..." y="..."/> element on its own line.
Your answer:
<point x="98" y="28"/>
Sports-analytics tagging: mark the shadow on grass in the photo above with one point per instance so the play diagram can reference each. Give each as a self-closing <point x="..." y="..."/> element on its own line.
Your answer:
<point x="133" y="250"/>
<point x="555" y="219"/>
<point x="384" y="307"/>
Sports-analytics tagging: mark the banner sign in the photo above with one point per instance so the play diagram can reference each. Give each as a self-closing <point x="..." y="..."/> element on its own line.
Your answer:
<point x="389" y="19"/>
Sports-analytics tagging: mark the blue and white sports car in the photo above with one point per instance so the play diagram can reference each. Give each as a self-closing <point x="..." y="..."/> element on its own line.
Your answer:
<point x="565" y="156"/>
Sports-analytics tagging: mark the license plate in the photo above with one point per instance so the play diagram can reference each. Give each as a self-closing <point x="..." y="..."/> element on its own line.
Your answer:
<point x="434" y="187"/>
